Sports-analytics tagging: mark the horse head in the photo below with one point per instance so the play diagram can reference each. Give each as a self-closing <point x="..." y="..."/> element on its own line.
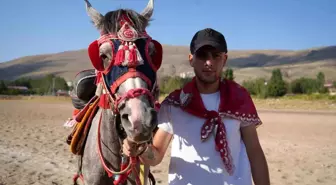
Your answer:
<point x="126" y="60"/>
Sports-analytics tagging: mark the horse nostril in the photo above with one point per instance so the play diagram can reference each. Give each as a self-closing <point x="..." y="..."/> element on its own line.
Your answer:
<point x="124" y="116"/>
<point x="136" y="126"/>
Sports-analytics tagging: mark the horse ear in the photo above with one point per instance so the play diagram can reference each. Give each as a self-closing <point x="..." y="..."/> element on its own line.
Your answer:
<point x="148" y="11"/>
<point x="158" y="54"/>
<point x="95" y="16"/>
<point x="93" y="52"/>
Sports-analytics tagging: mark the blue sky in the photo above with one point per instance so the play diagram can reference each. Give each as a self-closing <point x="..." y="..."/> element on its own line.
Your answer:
<point x="30" y="27"/>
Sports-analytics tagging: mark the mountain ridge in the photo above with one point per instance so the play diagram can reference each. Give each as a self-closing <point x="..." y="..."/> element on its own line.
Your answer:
<point x="247" y="64"/>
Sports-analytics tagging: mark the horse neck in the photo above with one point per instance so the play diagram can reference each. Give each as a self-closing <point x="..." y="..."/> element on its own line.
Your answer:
<point x="110" y="141"/>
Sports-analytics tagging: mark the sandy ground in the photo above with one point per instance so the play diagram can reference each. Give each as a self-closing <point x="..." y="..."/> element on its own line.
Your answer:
<point x="300" y="147"/>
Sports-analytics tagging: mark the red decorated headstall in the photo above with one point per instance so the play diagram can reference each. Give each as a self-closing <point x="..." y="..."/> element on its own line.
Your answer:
<point x="127" y="53"/>
<point x="130" y="57"/>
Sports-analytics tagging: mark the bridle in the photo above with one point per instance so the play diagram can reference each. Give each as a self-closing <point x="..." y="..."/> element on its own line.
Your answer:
<point x="126" y="37"/>
<point x="126" y="55"/>
<point x="109" y="101"/>
<point x="132" y="93"/>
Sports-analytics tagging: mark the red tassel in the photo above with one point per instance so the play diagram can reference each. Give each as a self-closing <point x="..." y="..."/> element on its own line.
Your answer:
<point x="135" y="57"/>
<point x="125" y="47"/>
<point x="132" y="57"/>
<point x="126" y="57"/>
<point x="120" y="56"/>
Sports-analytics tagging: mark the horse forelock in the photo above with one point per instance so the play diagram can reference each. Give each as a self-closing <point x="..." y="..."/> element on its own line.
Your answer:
<point x="111" y="21"/>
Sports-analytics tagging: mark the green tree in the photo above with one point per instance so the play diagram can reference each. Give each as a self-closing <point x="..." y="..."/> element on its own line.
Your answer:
<point x="261" y="87"/>
<point x="334" y="84"/>
<point x="60" y="83"/>
<point x="169" y="84"/>
<point x="320" y="78"/>
<point x="21" y="82"/>
<point x="185" y="81"/>
<point x="304" y="86"/>
<point x="276" y="86"/>
<point x="256" y="87"/>
<point x="228" y="74"/>
<point x="3" y="87"/>
<point x="45" y="85"/>
<point x="249" y="86"/>
<point x="162" y="84"/>
<point x="296" y="86"/>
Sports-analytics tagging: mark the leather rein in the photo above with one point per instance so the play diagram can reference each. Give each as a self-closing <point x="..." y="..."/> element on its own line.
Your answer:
<point x="107" y="101"/>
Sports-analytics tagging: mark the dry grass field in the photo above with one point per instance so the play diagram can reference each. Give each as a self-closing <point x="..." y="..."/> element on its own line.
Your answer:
<point x="299" y="146"/>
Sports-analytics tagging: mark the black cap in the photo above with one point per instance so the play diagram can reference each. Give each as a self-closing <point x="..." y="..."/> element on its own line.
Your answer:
<point x="208" y="36"/>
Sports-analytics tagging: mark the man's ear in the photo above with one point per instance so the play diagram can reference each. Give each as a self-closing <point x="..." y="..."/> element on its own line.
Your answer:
<point x="225" y="57"/>
<point x="190" y="58"/>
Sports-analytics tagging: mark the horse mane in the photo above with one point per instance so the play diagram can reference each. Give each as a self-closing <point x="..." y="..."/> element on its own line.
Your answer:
<point x="110" y="24"/>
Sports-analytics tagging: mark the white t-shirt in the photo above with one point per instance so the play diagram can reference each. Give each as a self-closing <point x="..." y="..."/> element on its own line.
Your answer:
<point x="194" y="162"/>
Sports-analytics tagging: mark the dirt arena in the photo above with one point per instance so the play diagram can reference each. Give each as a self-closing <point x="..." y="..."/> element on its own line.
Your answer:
<point x="300" y="147"/>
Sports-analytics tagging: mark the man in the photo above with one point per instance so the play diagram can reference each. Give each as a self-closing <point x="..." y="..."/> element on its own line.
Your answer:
<point x="211" y="123"/>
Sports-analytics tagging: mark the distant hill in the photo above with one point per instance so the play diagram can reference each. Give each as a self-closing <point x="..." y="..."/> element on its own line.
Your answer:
<point x="247" y="64"/>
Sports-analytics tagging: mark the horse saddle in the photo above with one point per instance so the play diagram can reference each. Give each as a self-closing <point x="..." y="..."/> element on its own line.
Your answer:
<point x="83" y="121"/>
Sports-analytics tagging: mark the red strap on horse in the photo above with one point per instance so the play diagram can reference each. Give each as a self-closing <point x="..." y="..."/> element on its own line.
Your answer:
<point x="104" y="101"/>
<point x="123" y="177"/>
<point x="157" y="105"/>
<point x="132" y="94"/>
<point x="124" y="165"/>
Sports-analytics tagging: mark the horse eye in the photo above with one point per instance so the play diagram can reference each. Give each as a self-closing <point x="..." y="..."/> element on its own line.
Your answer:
<point x="103" y="56"/>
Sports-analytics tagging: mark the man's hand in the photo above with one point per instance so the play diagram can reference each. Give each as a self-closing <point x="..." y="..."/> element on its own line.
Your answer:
<point x="256" y="155"/>
<point x="155" y="152"/>
<point x="131" y="149"/>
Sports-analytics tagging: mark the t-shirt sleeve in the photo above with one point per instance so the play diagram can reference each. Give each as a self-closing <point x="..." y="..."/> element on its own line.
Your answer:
<point x="164" y="118"/>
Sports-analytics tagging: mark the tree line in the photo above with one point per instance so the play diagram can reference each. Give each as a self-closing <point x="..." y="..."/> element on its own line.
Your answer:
<point x="170" y="83"/>
<point x="46" y="85"/>
<point x="276" y="86"/>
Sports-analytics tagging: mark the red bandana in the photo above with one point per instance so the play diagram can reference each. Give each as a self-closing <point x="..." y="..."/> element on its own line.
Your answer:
<point x="235" y="102"/>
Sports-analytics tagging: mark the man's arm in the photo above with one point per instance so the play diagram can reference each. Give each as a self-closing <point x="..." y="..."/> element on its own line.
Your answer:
<point x="256" y="155"/>
<point x="154" y="153"/>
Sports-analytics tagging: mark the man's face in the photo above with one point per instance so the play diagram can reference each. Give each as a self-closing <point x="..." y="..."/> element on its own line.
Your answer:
<point x="208" y="64"/>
